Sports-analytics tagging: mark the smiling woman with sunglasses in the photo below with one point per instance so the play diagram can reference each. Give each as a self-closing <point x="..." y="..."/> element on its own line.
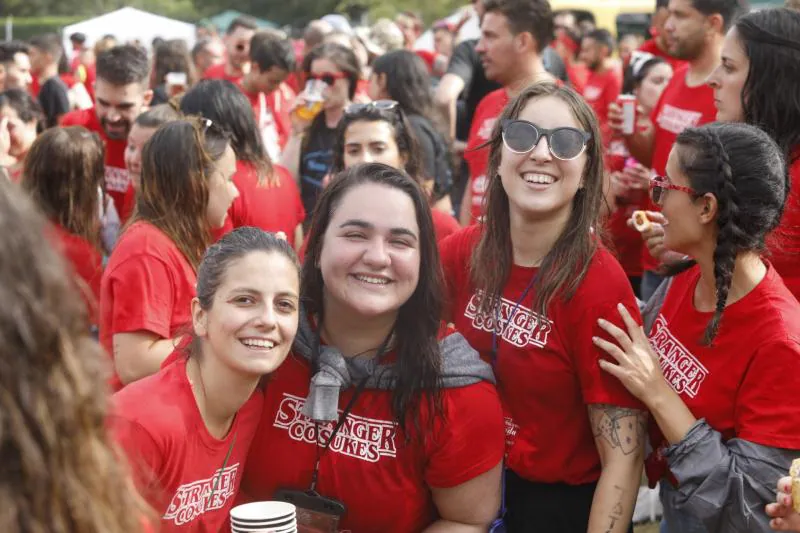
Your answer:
<point x="526" y="289"/>
<point x="721" y="366"/>
<point x="307" y="154"/>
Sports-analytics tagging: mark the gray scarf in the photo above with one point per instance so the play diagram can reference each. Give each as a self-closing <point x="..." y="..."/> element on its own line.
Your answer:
<point x="461" y="366"/>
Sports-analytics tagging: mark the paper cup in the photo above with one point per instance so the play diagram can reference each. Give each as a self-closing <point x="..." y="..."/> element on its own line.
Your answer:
<point x="262" y="512"/>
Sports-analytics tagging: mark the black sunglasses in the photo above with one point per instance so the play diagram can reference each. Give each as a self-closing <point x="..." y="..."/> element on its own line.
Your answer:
<point x="521" y="136"/>
<point x="380" y="105"/>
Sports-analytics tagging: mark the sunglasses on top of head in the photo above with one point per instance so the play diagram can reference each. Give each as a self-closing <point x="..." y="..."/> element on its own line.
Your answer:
<point x="328" y="78"/>
<point x="521" y="136"/>
<point x="380" y="105"/>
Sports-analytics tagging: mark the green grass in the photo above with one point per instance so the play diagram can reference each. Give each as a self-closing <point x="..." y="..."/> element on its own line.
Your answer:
<point x="646" y="528"/>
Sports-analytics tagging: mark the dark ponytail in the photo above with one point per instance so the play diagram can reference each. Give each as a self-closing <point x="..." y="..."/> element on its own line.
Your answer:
<point x="744" y="169"/>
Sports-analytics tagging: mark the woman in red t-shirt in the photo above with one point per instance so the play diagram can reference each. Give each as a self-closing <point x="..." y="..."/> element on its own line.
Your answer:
<point x="188" y="428"/>
<point x="268" y="196"/>
<point x="722" y="360"/>
<point x="24" y="116"/>
<point x="64" y="174"/>
<point x="526" y="289"/>
<point x="150" y="277"/>
<point x="379" y="132"/>
<point x="419" y="442"/>
<point x="756" y="83"/>
<point x="54" y="401"/>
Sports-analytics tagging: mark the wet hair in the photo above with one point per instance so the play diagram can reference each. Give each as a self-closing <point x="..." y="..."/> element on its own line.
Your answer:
<point x="770" y="100"/>
<point x="61" y="470"/>
<point x="565" y="265"/>
<point x="27" y="107"/>
<point x="49" y="43"/>
<point x="603" y="37"/>
<point x="407" y="82"/>
<point x="157" y="116"/>
<point x="745" y="171"/>
<point x="123" y="65"/>
<point x="407" y="144"/>
<point x="244" y="21"/>
<point x="173" y="195"/>
<point x="224" y="104"/>
<point x="532" y="16"/>
<point x="172" y="56"/>
<point x="635" y="74"/>
<point x="64" y="172"/>
<point x="268" y="50"/>
<point x="730" y="10"/>
<point x="232" y="246"/>
<point x="418" y="364"/>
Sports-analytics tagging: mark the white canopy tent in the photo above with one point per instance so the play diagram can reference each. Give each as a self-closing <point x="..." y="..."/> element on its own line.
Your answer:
<point x="127" y="24"/>
<point x="469" y="30"/>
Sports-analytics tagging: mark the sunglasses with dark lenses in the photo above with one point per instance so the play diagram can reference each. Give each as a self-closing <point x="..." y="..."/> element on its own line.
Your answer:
<point x="380" y="105"/>
<point x="329" y="78"/>
<point x="660" y="185"/>
<point x="521" y="136"/>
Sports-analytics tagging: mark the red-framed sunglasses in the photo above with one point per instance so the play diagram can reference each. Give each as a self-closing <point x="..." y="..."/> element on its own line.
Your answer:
<point x="329" y="78"/>
<point x="660" y="185"/>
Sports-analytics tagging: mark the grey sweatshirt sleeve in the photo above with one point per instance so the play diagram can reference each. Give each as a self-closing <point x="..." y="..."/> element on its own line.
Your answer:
<point x="726" y="484"/>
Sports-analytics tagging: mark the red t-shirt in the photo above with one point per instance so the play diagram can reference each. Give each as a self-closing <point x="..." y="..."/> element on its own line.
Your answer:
<point x="86" y="262"/>
<point x="176" y="461"/>
<point x="148" y="285"/>
<point x="486" y="115"/>
<point x="744" y="384"/>
<point x="784" y="243"/>
<point x="444" y="225"/>
<point x="601" y="89"/>
<point x="383" y="480"/>
<point x="117" y="178"/>
<point x="128" y="203"/>
<point x="219" y="72"/>
<point x="679" y="107"/>
<point x="547" y="368"/>
<point x="578" y="74"/>
<point x="269" y="207"/>
<point x="627" y="242"/>
<point x="651" y="47"/>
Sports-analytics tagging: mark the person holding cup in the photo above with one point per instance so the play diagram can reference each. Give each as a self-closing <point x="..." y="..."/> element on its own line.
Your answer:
<point x="187" y="429"/>
<point x="332" y="72"/>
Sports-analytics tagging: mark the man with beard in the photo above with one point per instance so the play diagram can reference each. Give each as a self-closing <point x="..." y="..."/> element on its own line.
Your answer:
<point x="121" y="91"/>
<point x="514" y="34"/>
<point x="15" y="66"/>
<point x="657" y="45"/>
<point x="604" y="83"/>
<point x="237" y="44"/>
<point x="694" y="31"/>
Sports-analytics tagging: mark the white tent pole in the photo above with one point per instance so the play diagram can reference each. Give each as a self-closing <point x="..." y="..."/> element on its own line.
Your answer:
<point x="9" y="28"/>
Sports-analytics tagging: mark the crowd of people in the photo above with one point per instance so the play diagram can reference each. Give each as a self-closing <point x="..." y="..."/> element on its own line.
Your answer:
<point x="405" y="290"/>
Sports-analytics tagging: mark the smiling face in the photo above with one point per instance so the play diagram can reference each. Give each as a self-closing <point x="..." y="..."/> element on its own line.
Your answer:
<point x="370" y="256"/>
<point x="729" y="77"/>
<point x="537" y="184"/>
<point x="253" y="318"/>
<point x="133" y="152"/>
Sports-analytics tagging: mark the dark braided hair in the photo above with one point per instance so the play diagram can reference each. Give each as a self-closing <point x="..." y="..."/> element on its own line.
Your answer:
<point x="744" y="169"/>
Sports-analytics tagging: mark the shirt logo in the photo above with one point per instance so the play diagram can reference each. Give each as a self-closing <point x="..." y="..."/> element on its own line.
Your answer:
<point x="486" y="128"/>
<point x="525" y="327"/>
<point x="675" y="120"/>
<point x="681" y="369"/>
<point x="592" y="93"/>
<point x="117" y="179"/>
<point x="359" y="437"/>
<point x="512" y="429"/>
<point x="194" y="499"/>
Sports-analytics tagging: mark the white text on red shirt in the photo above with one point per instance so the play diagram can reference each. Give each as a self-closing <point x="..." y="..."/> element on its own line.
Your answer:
<point x="525" y="327"/>
<point x="681" y="369"/>
<point x="193" y="499"/>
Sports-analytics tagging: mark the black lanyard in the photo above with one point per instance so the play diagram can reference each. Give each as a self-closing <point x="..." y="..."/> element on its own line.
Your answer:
<point x="348" y="408"/>
<point x="498" y="313"/>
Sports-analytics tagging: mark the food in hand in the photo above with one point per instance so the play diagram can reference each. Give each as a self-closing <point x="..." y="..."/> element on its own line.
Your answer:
<point x="794" y="471"/>
<point x="640" y="221"/>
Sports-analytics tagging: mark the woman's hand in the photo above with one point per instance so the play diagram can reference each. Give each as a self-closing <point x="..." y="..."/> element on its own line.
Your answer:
<point x="784" y="517"/>
<point x="637" y="176"/>
<point x="653" y="236"/>
<point x="298" y="124"/>
<point x="637" y="364"/>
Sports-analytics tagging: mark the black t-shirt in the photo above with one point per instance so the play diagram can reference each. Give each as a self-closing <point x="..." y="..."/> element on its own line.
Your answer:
<point x="434" y="150"/>
<point x="54" y="100"/>
<point x="315" y="162"/>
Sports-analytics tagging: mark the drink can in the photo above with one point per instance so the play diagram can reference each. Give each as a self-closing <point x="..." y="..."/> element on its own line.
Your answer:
<point x="628" y="104"/>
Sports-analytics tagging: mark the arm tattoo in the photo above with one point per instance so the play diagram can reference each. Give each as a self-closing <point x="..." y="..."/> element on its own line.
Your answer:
<point x="617" y="512"/>
<point x="620" y="427"/>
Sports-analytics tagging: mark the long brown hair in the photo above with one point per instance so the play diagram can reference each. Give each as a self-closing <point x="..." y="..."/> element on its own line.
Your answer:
<point x="59" y="470"/>
<point x="64" y="173"/>
<point x="565" y="265"/>
<point x="177" y="163"/>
